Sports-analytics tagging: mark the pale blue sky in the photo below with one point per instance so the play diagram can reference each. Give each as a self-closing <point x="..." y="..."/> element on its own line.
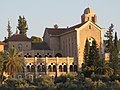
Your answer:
<point x="45" y="13"/>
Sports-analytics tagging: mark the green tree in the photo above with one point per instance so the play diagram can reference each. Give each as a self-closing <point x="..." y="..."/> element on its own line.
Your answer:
<point x="45" y="83"/>
<point x="109" y="36"/>
<point x="36" y="39"/>
<point x="112" y="47"/>
<point x="94" y="56"/>
<point x="9" y="29"/>
<point x="86" y="52"/>
<point x="56" y="26"/>
<point x="109" y="43"/>
<point x="13" y="62"/>
<point x="114" y="62"/>
<point x="1" y="66"/>
<point x="22" y="25"/>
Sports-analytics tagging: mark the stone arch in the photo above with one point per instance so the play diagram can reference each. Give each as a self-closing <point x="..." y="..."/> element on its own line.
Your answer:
<point x="75" y="68"/>
<point x="28" y="68"/>
<point x="46" y="55"/>
<point x="30" y="56"/>
<point x="43" y="68"/>
<point x="32" y="68"/>
<point x="71" y="68"/>
<point x="38" y="55"/>
<point x="49" y="68"/>
<point x="58" y="55"/>
<point x="50" y="55"/>
<point x="20" y="46"/>
<point x="65" y="68"/>
<point x="54" y="68"/>
<point x="27" y="55"/>
<point x="60" y="68"/>
<point x="39" y="68"/>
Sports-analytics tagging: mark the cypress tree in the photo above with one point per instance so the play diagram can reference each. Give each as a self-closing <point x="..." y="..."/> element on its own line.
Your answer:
<point x="86" y="52"/>
<point x="109" y="42"/>
<point x="114" y="60"/>
<point x="9" y="29"/>
<point x="94" y="56"/>
<point x="22" y="25"/>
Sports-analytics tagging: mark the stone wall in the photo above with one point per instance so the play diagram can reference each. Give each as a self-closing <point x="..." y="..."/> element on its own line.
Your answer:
<point x="49" y="66"/>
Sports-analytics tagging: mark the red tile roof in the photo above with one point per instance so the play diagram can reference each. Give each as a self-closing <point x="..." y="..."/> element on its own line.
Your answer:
<point x="18" y="37"/>
<point x="58" y="31"/>
<point x="54" y="31"/>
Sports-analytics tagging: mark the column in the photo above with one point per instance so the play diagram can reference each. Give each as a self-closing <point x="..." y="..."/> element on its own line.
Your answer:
<point x="57" y="66"/>
<point x="68" y="69"/>
<point x="25" y="68"/>
<point x="35" y="64"/>
<point x="46" y="66"/>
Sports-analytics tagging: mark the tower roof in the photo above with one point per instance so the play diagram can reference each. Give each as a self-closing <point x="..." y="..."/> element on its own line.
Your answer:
<point x="89" y="11"/>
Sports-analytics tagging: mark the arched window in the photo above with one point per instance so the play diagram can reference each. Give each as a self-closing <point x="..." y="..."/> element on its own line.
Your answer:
<point x="35" y="56"/>
<point x="40" y="56"/>
<point x="29" y="56"/>
<point x="49" y="68"/>
<point x="32" y="68"/>
<point x="25" y="56"/>
<point x="75" y="68"/>
<point x="54" y="68"/>
<point x="58" y="55"/>
<point x="60" y="68"/>
<point x="50" y="55"/>
<point x="20" y="46"/>
<point x="39" y="68"/>
<point x="43" y="68"/>
<point x="65" y="68"/>
<point x="71" y="68"/>
<point x="27" y="47"/>
<point x="46" y="56"/>
<point x="28" y="68"/>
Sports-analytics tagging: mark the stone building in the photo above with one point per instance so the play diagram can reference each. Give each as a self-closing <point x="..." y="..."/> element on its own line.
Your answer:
<point x="62" y="49"/>
<point x="71" y="41"/>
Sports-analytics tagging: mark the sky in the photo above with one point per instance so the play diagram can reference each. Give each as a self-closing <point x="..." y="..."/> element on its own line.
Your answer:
<point x="46" y="13"/>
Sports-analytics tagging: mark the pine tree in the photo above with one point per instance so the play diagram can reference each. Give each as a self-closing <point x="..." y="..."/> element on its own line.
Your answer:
<point x="9" y="29"/>
<point x="86" y="52"/>
<point x="112" y="46"/>
<point x="94" y="56"/>
<point x="114" y="60"/>
<point x="22" y="25"/>
<point x="116" y="42"/>
<point x="109" y="36"/>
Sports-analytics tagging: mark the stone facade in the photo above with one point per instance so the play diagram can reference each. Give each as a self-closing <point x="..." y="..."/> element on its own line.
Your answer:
<point x="71" y="41"/>
<point x="64" y="46"/>
<point x="49" y="66"/>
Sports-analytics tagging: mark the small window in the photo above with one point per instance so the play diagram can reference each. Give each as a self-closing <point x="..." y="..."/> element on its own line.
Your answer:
<point x="89" y="26"/>
<point x="27" y="47"/>
<point x="20" y="47"/>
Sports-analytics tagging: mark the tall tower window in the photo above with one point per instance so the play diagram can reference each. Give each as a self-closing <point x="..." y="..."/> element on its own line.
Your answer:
<point x="20" y="46"/>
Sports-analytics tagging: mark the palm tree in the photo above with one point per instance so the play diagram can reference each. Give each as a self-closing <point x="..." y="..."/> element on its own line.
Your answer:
<point x="1" y="66"/>
<point x="13" y="62"/>
<point x="105" y="69"/>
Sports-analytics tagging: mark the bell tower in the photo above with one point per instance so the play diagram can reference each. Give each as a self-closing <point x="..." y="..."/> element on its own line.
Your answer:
<point x="89" y="15"/>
